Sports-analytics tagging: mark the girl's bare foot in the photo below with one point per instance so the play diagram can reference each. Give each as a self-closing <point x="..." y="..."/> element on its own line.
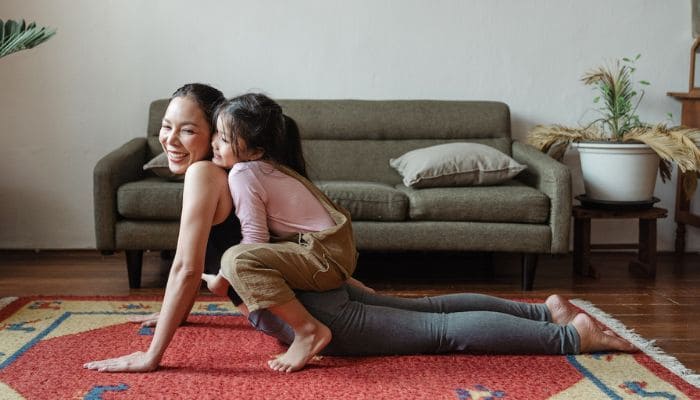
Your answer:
<point x="595" y="339"/>
<point x="216" y="284"/>
<point x="561" y="310"/>
<point x="308" y="342"/>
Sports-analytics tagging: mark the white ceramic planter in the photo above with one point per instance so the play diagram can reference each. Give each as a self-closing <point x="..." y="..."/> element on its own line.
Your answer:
<point x="624" y="172"/>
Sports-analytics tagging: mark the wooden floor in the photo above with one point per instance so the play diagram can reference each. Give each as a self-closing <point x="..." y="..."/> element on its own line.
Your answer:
<point x="666" y="309"/>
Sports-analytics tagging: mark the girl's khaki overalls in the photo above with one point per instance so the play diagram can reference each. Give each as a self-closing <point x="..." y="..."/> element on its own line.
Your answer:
<point x="263" y="274"/>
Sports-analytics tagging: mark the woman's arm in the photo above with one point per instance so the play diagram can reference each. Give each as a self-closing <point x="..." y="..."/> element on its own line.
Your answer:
<point x="205" y="201"/>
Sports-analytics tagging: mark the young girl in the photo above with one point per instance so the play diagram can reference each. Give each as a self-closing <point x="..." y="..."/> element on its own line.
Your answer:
<point x="293" y="235"/>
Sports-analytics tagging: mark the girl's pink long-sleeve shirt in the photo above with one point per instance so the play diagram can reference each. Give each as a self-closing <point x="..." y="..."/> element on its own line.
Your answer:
<point x="268" y="201"/>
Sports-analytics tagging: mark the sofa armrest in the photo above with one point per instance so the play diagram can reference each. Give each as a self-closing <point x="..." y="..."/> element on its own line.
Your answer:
<point x="553" y="179"/>
<point x="122" y="165"/>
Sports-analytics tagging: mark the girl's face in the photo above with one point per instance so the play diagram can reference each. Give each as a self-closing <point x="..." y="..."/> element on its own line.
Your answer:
<point x="184" y="134"/>
<point x="223" y="149"/>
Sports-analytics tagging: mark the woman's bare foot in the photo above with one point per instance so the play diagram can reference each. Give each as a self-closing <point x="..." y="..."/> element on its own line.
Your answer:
<point x="308" y="342"/>
<point x="216" y="284"/>
<point x="561" y="310"/>
<point x="595" y="339"/>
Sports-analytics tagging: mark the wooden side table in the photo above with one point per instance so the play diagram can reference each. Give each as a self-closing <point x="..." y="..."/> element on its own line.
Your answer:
<point x="646" y="248"/>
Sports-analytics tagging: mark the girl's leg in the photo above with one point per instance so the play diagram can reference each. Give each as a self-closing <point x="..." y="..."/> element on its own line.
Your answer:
<point x="310" y="336"/>
<point x="262" y="275"/>
<point x="216" y="284"/>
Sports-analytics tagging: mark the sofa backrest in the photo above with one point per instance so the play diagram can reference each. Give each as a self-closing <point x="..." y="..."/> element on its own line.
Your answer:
<point x="354" y="139"/>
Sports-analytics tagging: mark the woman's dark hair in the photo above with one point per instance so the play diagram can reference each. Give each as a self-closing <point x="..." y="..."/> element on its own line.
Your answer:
<point x="208" y="98"/>
<point x="259" y="122"/>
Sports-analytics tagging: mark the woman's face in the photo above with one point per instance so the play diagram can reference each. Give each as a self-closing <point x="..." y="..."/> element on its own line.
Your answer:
<point x="184" y="134"/>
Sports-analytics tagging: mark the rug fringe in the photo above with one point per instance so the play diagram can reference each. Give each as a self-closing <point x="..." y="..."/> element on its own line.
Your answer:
<point x="645" y="345"/>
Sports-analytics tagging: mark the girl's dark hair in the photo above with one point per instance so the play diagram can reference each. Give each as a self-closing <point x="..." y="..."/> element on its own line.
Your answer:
<point x="208" y="98"/>
<point x="259" y="122"/>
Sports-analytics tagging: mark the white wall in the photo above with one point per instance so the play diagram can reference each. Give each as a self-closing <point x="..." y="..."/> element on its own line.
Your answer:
<point x="72" y="100"/>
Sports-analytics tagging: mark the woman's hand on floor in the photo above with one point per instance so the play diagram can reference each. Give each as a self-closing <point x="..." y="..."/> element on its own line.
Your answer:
<point x="135" y="362"/>
<point x="150" y="320"/>
<point x="146" y="321"/>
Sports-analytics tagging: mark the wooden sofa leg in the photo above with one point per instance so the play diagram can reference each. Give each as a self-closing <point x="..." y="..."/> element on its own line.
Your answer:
<point x="529" y="266"/>
<point x="134" y="261"/>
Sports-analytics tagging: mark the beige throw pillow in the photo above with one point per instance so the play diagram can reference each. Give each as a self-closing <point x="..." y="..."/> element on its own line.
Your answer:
<point x="159" y="166"/>
<point x="455" y="164"/>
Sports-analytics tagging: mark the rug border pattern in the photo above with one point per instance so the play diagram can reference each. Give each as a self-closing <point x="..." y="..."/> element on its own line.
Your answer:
<point x="646" y="346"/>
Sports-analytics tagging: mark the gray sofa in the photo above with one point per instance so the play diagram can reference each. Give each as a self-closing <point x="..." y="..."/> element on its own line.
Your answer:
<point x="348" y="144"/>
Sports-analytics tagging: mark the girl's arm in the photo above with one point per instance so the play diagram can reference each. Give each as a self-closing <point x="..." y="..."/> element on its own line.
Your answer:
<point x="205" y="201"/>
<point x="249" y="199"/>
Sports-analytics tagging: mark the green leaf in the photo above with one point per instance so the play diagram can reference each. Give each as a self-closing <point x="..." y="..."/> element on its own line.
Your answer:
<point x="644" y="83"/>
<point x="637" y="57"/>
<point x="626" y="59"/>
<point x="15" y="36"/>
<point x="597" y="99"/>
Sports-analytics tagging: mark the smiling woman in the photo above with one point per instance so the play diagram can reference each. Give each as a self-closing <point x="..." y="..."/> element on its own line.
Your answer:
<point x="185" y="135"/>
<point x="186" y="130"/>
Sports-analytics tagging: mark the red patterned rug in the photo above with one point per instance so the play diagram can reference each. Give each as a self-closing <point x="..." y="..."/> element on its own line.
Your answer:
<point x="45" y="341"/>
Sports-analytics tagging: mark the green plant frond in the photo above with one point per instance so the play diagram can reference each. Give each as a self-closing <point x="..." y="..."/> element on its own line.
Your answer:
<point x="616" y="88"/>
<point x="16" y="36"/>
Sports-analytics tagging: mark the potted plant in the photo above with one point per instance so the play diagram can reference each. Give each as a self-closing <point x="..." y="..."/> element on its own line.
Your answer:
<point x="18" y="35"/>
<point x="620" y="154"/>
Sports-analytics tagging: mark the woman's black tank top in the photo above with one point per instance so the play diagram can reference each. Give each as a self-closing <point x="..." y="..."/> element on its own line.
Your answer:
<point x="221" y="238"/>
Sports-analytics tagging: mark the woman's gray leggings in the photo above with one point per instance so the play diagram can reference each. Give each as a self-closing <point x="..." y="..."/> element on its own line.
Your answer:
<point x="364" y="323"/>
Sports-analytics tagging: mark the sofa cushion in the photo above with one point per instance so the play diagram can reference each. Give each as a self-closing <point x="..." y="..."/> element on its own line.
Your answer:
<point x="368" y="159"/>
<point x="367" y="201"/>
<point x="511" y="201"/>
<point x="150" y="198"/>
<point x="455" y="164"/>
